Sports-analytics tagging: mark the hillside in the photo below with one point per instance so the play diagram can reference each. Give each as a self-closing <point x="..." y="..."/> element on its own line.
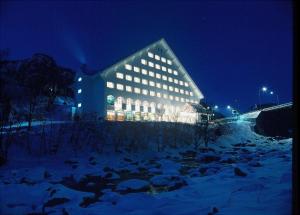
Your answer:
<point x="240" y="173"/>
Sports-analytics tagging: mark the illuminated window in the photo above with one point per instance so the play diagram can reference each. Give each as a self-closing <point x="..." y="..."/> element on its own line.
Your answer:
<point x="186" y="84"/>
<point x="175" y="72"/>
<point x="136" y="69"/>
<point x="164" y="77"/>
<point x="170" y="79"/>
<point x="165" y="87"/>
<point x="171" y="97"/>
<point x="151" y="73"/>
<point x="152" y="93"/>
<point x="150" y="54"/>
<point x="182" y="99"/>
<point x="152" y="107"/>
<point x="169" y="70"/>
<point x="145" y="106"/>
<point x="137" y="105"/>
<point x="79" y="91"/>
<point x="118" y="103"/>
<point x="181" y="83"/>
<point x="176" y="89"/>
<point x="128" y="89"/>
<point x="145" y="92"/>
<point x="165" y="96"/>
<point x="128" y="104"/>
<point x="79" y="79"/>
<point x="143" y="61"/>
<point x="120" y="87"/>
<point x="144" y="72"/>
<point x="163" y="59"/>
<point x="157" y="57"/>
<point x="137" y="80"/>
<point x="144" y="81"/>
<point x="191" y="93"/>
<point x="157" y="75"/>
<point x="150" y="64"/>
<point x="158" y="85"/>
<point x="158" y="95"/>
<point x="157" y="66"/>
<point x="110" y="84"/>
<point x="186" y="92"/>
<point x="181" y="91"/>
<point x="175" y="81"/>
<point x="128" y="77"/>
<point x="163" y="68"/>
<point x="171" y="88"/>
<point x="176" y="98"/>
<point x="119" y="75"/>
<point x="151" y="83"/>
<point x="169" y="62"/>
<point x="79" y="105"/>
<point x="128" y="67"/>
<point x="137" y="90"/>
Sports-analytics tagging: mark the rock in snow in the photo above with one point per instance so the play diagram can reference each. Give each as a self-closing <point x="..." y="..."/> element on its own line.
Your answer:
<point x="133" y="185"/>
<point x="171" y="182"/>
<point x="239" y="172"/>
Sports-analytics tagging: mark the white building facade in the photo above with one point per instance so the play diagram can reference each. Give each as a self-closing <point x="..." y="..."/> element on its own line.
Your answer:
<point x="150" y="85"/>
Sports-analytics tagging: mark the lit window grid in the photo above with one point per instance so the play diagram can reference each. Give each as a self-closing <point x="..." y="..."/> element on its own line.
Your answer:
<point x="137" y="90"/>
<point x="136" y="69"/>
<point x="120" y="87"/>
<point x="119" y="75"/>
<point x="128" y="67"/>
<point x="137" y="80"/>
<point x="110" y="84"/>
<point x="128" y="77"/>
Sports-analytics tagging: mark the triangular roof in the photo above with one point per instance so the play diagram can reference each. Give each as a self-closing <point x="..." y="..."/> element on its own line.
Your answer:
<point x="164" y="44"/>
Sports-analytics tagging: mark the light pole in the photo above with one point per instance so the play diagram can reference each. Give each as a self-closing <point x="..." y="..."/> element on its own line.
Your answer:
<point x="277" y="99"/>
<point x="264" y="89"/>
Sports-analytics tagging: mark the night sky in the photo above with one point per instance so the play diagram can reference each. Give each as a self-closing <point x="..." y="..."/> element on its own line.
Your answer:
<point x="230" y="49"/>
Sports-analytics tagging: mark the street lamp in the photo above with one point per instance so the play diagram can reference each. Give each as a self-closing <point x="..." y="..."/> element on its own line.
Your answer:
<point x="277" y="99"/>
<point x="264" y="89"/>
<point x="228" y="107"/>
<point x="216" y="107"/>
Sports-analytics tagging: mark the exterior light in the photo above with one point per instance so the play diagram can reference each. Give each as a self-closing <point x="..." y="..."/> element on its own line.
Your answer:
<point x="264" y="89"/>
<point x="79" y="105"/>
<point x="79" y="91"/>
<point x="228" y="107"/>
<point x="271" y="92"/>
<point x="216" y="107"/>
<point x="79" y="79"/>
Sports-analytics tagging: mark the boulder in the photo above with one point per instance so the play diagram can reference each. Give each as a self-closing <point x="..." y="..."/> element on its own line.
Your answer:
<point x="239" y="172"/>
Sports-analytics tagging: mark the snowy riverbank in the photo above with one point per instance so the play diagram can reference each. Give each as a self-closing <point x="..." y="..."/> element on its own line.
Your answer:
<point x="241" y="173"/>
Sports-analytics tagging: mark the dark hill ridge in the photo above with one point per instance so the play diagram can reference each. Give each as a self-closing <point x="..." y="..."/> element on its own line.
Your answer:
<point x="277" y="122"/>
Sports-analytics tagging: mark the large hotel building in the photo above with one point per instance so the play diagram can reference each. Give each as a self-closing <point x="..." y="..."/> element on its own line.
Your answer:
<point x="150" y="85"/>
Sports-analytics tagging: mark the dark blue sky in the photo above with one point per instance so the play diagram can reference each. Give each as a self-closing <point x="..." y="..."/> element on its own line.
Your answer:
<point x="230" y="48"/>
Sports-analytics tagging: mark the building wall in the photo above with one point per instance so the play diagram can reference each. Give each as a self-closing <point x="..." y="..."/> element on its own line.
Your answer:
<point x="141" y="68"/>
<point x="90" y="99"/>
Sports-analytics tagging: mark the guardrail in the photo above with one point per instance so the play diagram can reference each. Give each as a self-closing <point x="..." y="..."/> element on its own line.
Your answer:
<point x="264" y="109"/>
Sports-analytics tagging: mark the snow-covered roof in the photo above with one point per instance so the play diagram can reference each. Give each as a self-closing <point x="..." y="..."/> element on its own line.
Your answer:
<point x="169" y="51"/>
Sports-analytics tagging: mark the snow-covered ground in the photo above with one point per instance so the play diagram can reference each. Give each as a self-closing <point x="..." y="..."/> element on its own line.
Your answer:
<point x="240" y="173"/>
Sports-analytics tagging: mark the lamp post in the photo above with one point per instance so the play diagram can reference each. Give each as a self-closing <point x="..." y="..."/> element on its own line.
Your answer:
<point x="277" y="99"/>
<point x="264" y="89"/>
